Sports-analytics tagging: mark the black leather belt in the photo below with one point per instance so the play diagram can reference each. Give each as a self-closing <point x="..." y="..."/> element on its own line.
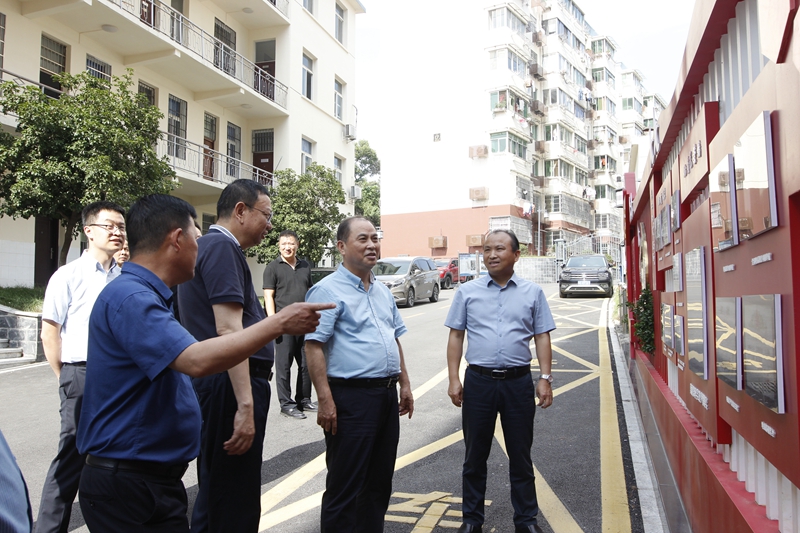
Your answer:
<point x="501" y="373"/>
<point x="365" y="383"/>
<point x="79" y="363"/>
<point x="260" y="369"/>
<point x="138" y="467"/>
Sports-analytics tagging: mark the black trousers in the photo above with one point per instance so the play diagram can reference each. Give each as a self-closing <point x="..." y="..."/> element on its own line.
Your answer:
<point x="229" y="496"/>
<point x="122" y="502"/>
<point x="515" y="400"/>
<point x="64" y="475"/>
<point x="289" y="351"/>
<point x="360" y="460"/>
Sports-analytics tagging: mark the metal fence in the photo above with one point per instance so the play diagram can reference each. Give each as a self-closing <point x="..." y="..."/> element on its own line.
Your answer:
<point x="537" y="269"/>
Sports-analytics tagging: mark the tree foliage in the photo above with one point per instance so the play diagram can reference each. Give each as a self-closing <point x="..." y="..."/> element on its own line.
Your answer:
<point x="367" y="162"/>
<point x="96" y="142"/>
<point x="368" y="166"/>
<point x="308" y="204"/>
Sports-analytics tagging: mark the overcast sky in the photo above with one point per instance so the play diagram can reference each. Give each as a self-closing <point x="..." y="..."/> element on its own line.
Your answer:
<point x="651" y="35"/>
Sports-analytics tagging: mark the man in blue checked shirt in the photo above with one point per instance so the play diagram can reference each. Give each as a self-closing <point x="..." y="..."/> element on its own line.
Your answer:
<point x="356" y="362"/>
<point x="500" y="313"/>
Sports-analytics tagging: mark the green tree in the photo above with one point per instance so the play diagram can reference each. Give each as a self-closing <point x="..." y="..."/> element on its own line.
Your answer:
<point x="368" y="166"/>
<point x="367" y="162"/>
<point x="96" y="142"/>
<point x="308" y="204"/>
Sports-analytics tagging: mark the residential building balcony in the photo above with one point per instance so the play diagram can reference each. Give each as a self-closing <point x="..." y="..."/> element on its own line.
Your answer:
<point x="200" y="167"/>
<point x="559" y="185"/>
<point x="253" y="14"/>
<point x="151" y="33"/>
<point x="561" y="150"/>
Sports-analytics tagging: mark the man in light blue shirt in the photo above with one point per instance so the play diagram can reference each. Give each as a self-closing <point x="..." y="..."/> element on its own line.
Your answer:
<point x="355" y="361"/>
<point x="500" y="313"/>
<point x="68" y="302"/>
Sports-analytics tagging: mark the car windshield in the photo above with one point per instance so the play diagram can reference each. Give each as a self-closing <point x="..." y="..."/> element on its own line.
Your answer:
<point x="442" y="263"/>
<point x="592" y="262"/>
<point x="391" y="268"/>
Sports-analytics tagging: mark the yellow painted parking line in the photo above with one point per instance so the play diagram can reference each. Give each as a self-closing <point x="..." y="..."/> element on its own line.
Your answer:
<point x="556" y="513"/>
<point x="583" y="331"/>
<point x="412" y="316"/>
<point x="614" y="494"/>
<point x="580" y="361"/>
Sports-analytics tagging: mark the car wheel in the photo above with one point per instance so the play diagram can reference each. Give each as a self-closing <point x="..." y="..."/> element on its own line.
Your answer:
<point x="563" y="294"/>
<point x="448" y="283"/>
<point x="435" y="293"/>
<point x="410" y="298"/>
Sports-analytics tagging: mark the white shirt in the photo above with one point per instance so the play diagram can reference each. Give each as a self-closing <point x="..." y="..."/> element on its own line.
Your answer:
<point x="69" y="299"/>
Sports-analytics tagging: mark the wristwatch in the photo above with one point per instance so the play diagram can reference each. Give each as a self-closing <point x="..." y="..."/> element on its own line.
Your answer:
<point x="546" y="377"/>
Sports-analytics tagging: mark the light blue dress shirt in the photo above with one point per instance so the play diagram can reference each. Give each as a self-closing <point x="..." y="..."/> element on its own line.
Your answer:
<point x="500" y="321"/>
<point x="69" y="298"/>
<point x="359" y="335"/>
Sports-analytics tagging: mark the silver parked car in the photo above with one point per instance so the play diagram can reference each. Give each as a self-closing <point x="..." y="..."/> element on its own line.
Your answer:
<point x="409" y="278"/>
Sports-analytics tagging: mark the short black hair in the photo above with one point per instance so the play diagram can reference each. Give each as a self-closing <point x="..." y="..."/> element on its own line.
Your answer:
<point x="343" y="231"/>
<point x="289" y="233"/>
<point x="246" y="191"/>
<point x="514" y="240"/>
<point x="151" y="218"/>
<point x="90" y="212"/>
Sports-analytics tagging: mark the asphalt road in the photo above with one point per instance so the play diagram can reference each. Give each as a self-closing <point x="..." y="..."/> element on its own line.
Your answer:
<point x="591" y="473"/>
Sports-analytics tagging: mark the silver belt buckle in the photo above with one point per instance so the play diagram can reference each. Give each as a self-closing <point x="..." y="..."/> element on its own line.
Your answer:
<point x="498" y="374"/>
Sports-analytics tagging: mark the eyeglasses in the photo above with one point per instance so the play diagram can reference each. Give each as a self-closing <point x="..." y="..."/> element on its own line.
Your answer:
<point x="111" y="228"/>
<point x="268" y="215"/>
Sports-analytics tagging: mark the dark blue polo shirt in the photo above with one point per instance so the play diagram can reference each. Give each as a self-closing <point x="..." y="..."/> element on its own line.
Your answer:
<point x="221" y="275"/>
<point x="134" y="406"/>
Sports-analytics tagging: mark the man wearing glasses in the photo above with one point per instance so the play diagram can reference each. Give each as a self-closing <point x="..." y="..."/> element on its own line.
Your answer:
<point x="68" y="302"/>
<point x="220" y="300"/>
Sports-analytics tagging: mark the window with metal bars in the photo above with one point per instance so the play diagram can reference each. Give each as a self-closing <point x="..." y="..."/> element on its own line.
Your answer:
<point x="149" y="92"/>
<point x="225" y="49"/>
<point x="234" y="150"/>
<point x="98" y="69"/>
<point x="210" y="127"/>
<point x="176" y="127"/>
<point x="2" y="39"/>
<point x="263" y="141"/>
<point x="208" y="219"/>
<point x="54" y="56"/>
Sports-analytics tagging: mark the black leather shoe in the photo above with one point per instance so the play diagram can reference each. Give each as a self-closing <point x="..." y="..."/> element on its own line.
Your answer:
<point x="292" y="413"/>
<point x="308" y="405"/>
<point x="470" y="528"/>
<point x="533" y="528"/>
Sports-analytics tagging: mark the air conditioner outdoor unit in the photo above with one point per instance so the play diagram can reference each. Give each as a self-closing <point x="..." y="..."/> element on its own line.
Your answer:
<point x="528" y="82"/>
<point x="591" y="174"/>
<point x="623" y="139"/>
<point x="537" y="181"/>
<point x="350" y="132"/>
<point x="479" y="151"/>
<point x="479" y="193"/>
<point x="591" y="144"/>
<point x="589" y="84"/>
<point x="540" y="147"/>
<point x="537" y="71"/>
<point x="355" y="192"/>
<point x="439" y="241"/>
<point x="475" y="240"/>
<point x="590" y="114"/>
<point x="537" y="37"/>
<point x="538" y="107"/>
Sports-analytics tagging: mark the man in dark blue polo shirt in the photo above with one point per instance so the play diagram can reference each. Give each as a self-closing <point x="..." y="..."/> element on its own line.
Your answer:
<point x="140" y="420"/>
<point x="234" y="404"/>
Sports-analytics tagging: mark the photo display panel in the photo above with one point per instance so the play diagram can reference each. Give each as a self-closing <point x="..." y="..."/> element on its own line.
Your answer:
<point x="756" y="202"/>
<point x="761" y="349"/>
<point x="727" y="341"/>
<point x="724" y="225"/>
<point x="696" y="326"/>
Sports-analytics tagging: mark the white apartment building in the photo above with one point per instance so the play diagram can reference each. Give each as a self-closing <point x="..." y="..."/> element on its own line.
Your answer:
<point x="247" y="87"/>
<point x="525" y="126"/>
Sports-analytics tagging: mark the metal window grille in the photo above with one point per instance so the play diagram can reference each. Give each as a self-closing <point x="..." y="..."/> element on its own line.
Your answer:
<point x="210" y="127"/>
<point x="263" y="141"/>
<point x="225" y="48"/>
<point x="54" y="56"/>
<point x="208" y="219"/>
<point x="176" y="127"/>
<point x="2" y="39"/>
<point x="234" y="150"/>
<point x="149" y="92"/>
<point x="98" y="69"/>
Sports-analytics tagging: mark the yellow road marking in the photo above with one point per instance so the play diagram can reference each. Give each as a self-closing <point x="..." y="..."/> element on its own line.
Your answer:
<point x="583" y="331"/>
<point x="558" y="516"/>
<point x="575" y="358"/>
<point x="616" y="515"/>
<point x="412" y="316"/>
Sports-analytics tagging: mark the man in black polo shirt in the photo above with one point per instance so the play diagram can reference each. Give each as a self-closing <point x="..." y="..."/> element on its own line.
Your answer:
<point x="286" y="281"/>
<point x="220" y="299"/>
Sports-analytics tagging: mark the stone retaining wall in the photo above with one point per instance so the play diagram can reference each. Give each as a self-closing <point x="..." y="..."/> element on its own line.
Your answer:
<point x="22" y="331"/>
